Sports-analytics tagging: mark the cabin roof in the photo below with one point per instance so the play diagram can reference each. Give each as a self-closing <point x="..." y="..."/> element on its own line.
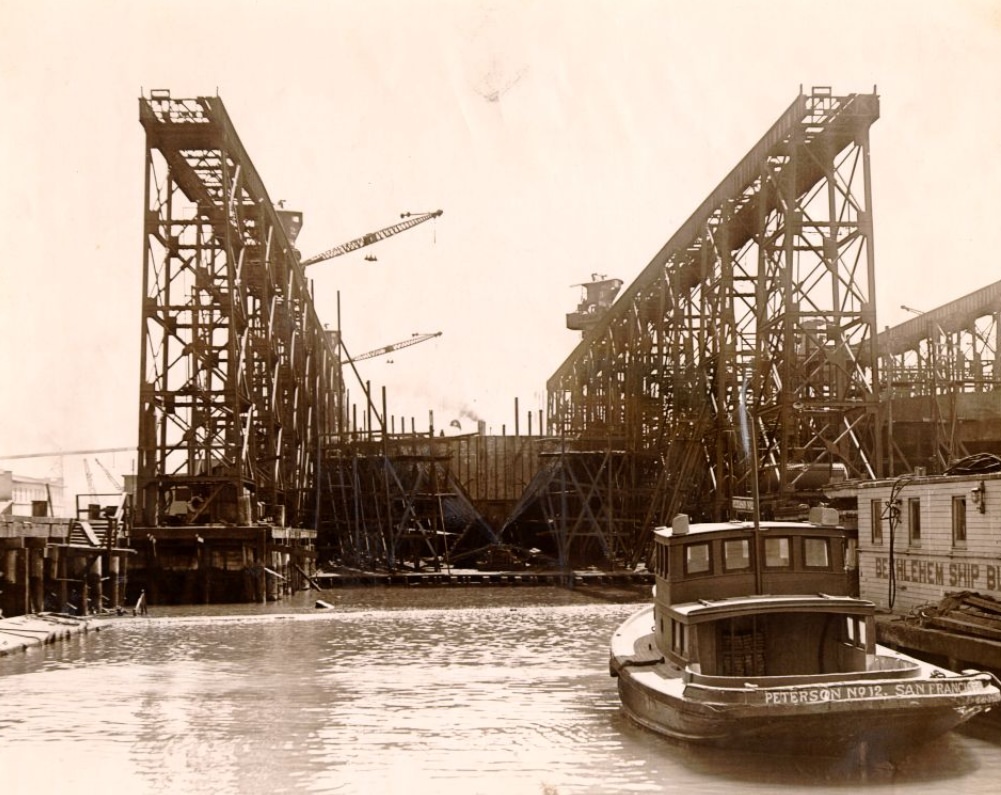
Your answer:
<point x="745" y="526"/>
<point x="849" y="487"/>
<point x="712" y="609"/>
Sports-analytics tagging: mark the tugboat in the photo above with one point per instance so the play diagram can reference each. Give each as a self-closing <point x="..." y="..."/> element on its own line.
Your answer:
<point x="754" y="640"/>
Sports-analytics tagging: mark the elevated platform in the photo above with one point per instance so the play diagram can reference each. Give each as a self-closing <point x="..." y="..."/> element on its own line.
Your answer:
<point x="954" y="316"/>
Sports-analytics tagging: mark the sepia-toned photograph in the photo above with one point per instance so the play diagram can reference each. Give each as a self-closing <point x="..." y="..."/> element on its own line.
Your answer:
<point x="500" y="397"/>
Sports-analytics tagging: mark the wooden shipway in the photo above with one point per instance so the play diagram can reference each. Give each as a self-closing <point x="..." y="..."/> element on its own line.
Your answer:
<point x="37" y="629"/>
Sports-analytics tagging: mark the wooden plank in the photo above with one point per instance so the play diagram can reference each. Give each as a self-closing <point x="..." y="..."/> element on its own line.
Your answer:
<point x="88" y="531"/>
<point x="966" y="627"/>
<point x="964" y="649"/>
<point x="984" y="603"/>
<point x="308" y="579"/>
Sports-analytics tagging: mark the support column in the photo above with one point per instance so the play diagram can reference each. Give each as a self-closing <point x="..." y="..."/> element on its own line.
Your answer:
<point x="97" y="573"/>
<point x="82" y="608"/>
<point x="114" y="566"/>
<point x="9" y="559"/>
<point x="35" y="554"/>
<point x="63" y="577"/>
<point x="52" y="557"/>
<point x="262" y="560"/>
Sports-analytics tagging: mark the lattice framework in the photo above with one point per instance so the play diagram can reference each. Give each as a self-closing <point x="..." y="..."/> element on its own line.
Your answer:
<point x="757" y="315"/>
<point x="942" y="382"/>
<point x="239" y="381"/>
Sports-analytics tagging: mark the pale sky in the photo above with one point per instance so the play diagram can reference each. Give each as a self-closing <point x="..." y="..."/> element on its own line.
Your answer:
<point x="561" y="139"/>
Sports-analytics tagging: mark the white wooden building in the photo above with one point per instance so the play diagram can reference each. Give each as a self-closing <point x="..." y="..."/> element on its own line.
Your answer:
<point x="923" y="536"/>
<point x="26" y="496"/>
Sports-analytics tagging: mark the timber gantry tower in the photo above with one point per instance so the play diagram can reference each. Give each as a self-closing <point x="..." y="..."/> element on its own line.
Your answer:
<point x="744" y="350"/>
<point x="941" y="384"/>
<point x="240" y="383"/>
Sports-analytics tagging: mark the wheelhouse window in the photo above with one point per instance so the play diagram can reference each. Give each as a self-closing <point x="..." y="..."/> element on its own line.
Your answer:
<point x="777" y="553"/>
<point x="697" y="559"/>
<point x="876" y="520"/>
<point x="816" y="553"/>
<point x="736" y="555"/>
<point x="677" y="637"/>
<point x="855" y="631"/>
<point x="959" y="521"/>
<point x="914" y="521"/>
<point x="660" y="558"/>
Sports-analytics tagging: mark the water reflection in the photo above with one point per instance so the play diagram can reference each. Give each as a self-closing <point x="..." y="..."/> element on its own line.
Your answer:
<point x="442" y="690"/>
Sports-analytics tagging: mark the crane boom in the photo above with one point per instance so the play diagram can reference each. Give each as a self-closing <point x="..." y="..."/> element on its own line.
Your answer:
<point x="114" y="481"/>
<point x="90" y="477"/>
<point x="372" y="237"/>
<point x="413" y="340"/>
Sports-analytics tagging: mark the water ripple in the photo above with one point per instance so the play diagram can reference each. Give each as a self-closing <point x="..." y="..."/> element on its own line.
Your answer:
<point x="390" y="693"/>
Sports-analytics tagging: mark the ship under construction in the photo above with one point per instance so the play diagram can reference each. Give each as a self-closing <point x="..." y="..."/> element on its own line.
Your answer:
<point x="744" y="358"/>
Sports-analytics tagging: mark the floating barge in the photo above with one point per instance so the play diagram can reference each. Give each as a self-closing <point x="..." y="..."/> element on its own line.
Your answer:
<point x="22" y="632"/>
<point x="964" y="628"/>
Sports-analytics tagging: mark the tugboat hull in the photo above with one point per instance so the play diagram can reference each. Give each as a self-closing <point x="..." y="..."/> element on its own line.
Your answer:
<point x="871" y="719"/>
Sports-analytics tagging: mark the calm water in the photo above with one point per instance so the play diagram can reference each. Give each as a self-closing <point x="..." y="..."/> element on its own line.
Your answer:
<point x="398" y="691"/>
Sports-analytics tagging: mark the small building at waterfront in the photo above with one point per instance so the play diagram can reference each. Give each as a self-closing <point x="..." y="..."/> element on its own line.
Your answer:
<point x="921" y="537"/>
<point x="930" y="558"/>
<point x="50" y="562"/>
<point x="27" y="496"/>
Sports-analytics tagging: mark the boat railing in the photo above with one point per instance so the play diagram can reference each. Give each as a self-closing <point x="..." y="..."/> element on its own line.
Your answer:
<point x="880" y="667"/>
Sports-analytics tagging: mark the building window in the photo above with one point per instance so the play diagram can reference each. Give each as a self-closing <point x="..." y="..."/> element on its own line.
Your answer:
<point x="777" y="553"/>
<point x="816" y="554"/>
<point x="876" y="514"/>
<point x="736" y="555"/>
<point x="959" y="521"/>
<point x="914" y="520"/>
<point x="697" y="559"/>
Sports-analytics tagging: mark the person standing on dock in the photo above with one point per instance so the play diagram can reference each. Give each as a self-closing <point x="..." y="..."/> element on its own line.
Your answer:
<point x="140" y="608"/>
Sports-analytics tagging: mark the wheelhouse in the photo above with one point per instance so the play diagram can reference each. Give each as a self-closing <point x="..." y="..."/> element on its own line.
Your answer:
<point x="785" y="636"/>
<point x="766" y="599"/>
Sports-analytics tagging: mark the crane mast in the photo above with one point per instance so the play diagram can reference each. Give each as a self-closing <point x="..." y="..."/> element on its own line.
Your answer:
<point x="372" y="237"/>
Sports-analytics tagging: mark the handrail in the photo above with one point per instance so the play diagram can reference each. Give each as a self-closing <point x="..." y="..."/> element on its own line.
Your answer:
<point x="896" y="669"/>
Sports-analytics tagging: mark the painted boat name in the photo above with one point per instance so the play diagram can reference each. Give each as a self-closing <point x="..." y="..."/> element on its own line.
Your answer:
<point x="847" y="692"/>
